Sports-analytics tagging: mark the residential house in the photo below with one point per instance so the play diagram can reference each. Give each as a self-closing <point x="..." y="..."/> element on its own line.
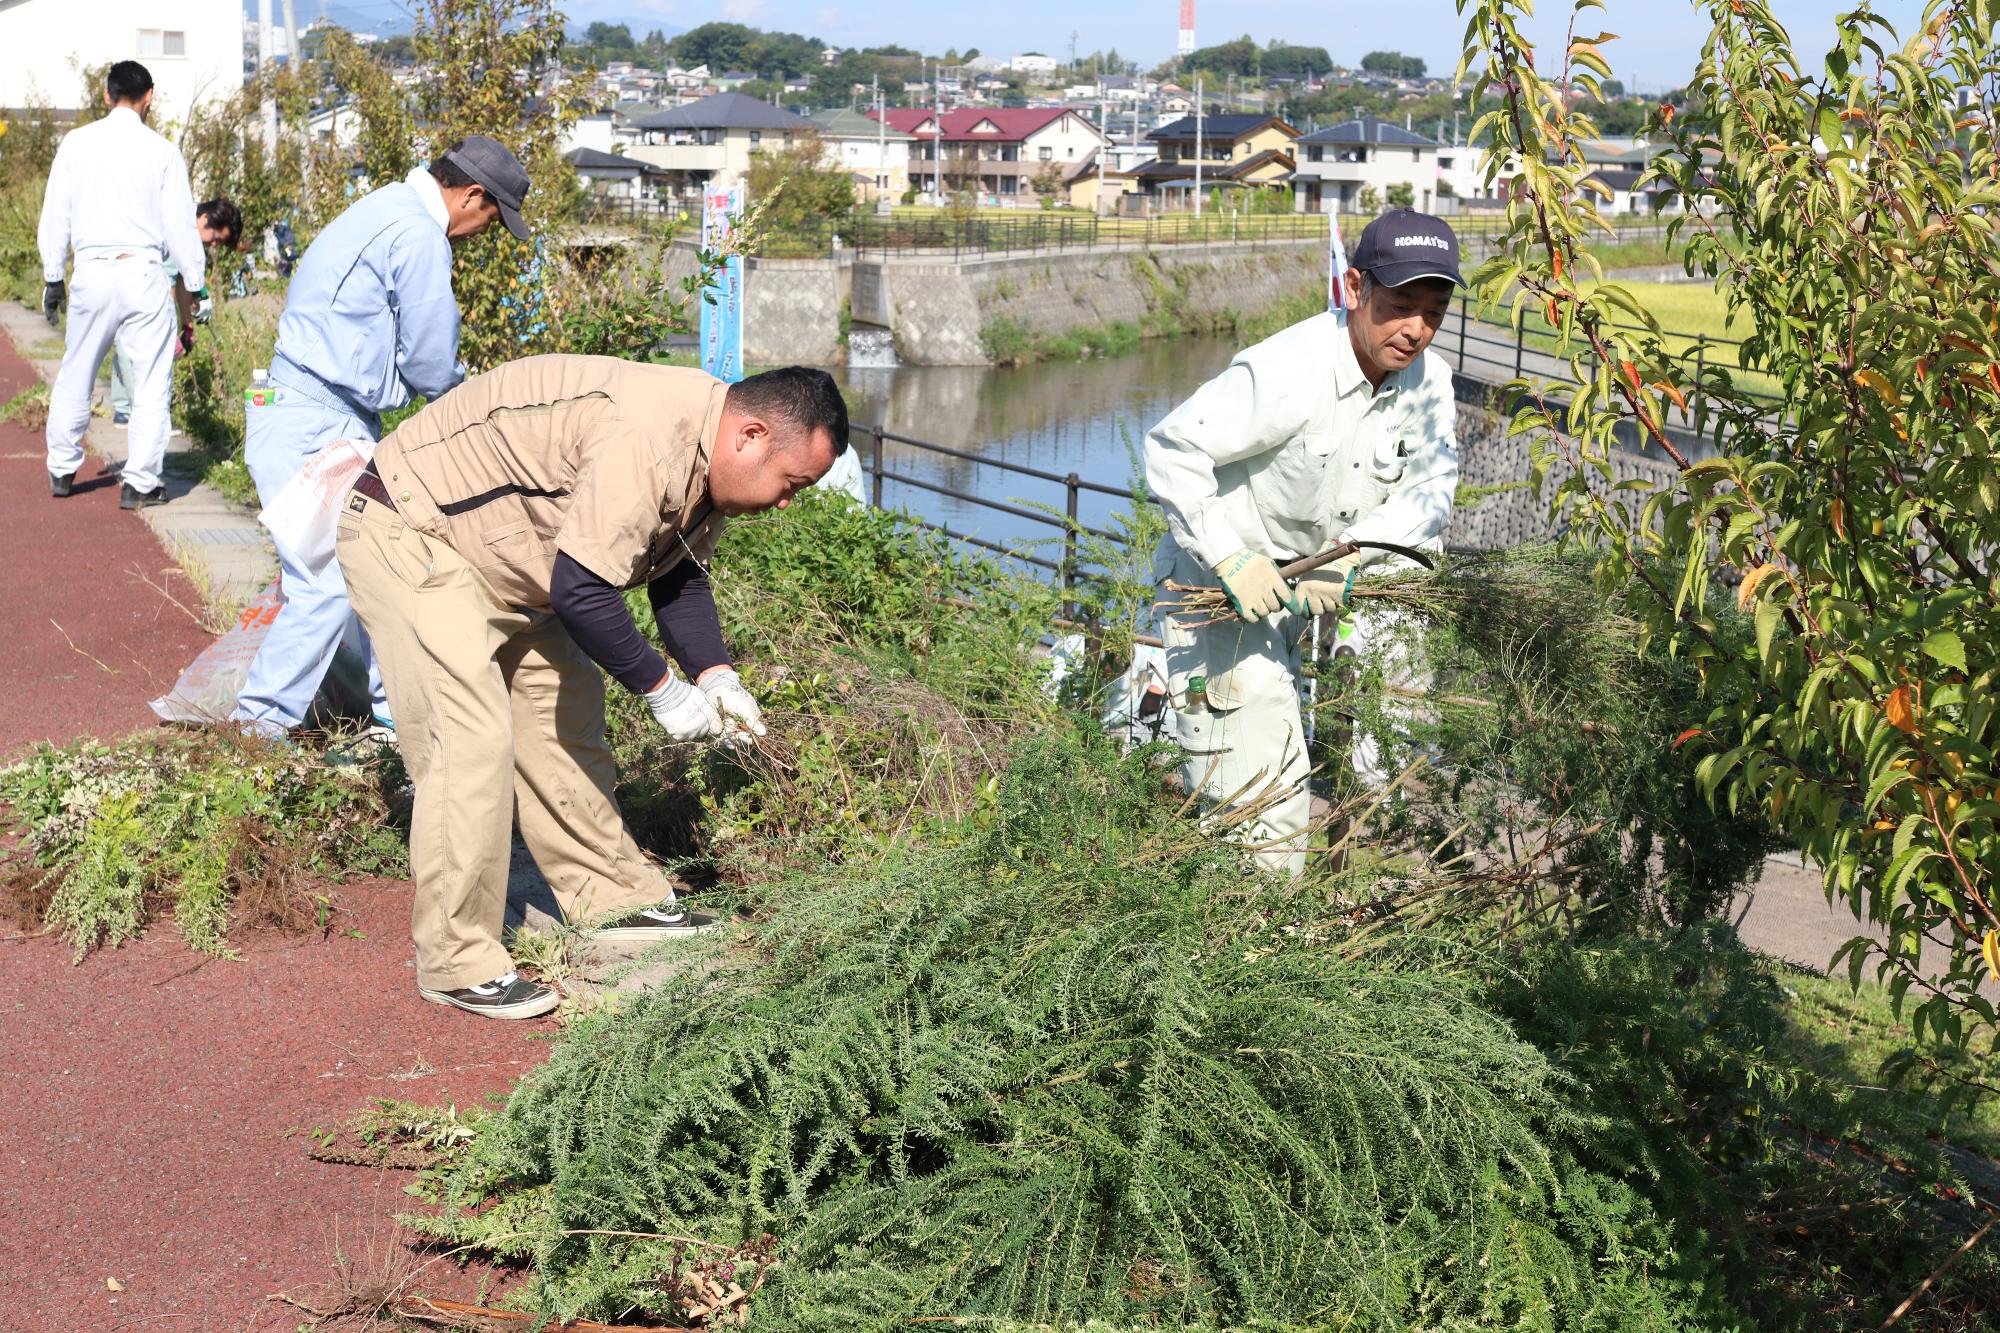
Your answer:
<point x="998" y="151"/>
<point x="1096" y="184"/>
<point x="876" y="156"/>
<point x="710" y="141"/>
<point x="595" y="130"/>
<point x="731" y="80"/>
<point x="610" y="176"/>
<point x="688" y="78"/>
<point x="1337" y="164"/>
<point x="1238" y="151"/>
<point x="1034" y="65"/>
<point x="193" y="48"/>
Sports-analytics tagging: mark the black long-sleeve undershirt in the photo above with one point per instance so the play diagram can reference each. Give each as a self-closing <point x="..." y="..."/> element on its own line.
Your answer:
<point x="594" y="614"/>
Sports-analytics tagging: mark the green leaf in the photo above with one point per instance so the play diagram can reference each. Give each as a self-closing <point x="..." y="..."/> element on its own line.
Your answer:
<point x="1945" y="646"/>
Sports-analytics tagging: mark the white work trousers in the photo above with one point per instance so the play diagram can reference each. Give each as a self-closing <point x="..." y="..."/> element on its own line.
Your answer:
<point x="1248" y="746"/>
<point x="126" y="301"/>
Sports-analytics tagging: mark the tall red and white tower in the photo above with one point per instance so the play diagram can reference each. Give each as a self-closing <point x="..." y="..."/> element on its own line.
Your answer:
<point x="1186" y="46"/>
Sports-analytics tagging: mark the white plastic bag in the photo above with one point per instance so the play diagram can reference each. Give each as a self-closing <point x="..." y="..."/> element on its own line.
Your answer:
<point x="304" y="517"/>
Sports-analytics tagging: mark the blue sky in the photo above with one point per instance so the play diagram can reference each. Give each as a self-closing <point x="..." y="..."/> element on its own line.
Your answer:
<point x="1659" y="38"/>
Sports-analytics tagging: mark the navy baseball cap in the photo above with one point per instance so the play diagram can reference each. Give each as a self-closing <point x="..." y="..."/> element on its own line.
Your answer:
<point x="1404" y="245"/>
<point x="506" y="180"/>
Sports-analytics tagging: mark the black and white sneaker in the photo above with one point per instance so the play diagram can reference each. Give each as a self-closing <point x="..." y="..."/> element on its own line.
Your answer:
<point x="511" y="996"/>
<point x="653" y="924"/>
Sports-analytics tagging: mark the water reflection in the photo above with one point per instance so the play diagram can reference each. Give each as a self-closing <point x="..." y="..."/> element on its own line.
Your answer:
<point x="1083" y="417"/>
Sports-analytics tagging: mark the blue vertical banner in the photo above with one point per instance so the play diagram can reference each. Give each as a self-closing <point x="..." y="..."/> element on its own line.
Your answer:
<point x="722" y="298"/>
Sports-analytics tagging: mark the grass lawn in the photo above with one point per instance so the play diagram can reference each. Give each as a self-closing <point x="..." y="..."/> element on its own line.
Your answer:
<point x="1688" y="313"/>
<point x="1844" y="1035"/>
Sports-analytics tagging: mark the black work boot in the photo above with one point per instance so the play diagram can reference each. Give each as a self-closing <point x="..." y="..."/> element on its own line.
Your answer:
<point x="59" y="486"/>
<point x="129" y="498"/>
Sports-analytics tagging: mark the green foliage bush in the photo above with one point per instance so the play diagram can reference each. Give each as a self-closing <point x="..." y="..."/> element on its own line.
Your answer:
<point x="207" y="825"/>
<point x="1843" y="206"/>
<point x="894" y="672"/>
<point x="1550" y="717"/>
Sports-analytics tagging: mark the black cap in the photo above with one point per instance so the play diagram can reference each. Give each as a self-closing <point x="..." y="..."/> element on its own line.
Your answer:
<point x="506" y="180"/>
<point x="1404" y="245"/>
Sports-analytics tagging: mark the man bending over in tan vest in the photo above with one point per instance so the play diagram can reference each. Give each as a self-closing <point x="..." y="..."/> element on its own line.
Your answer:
<point x="485" y="549"/>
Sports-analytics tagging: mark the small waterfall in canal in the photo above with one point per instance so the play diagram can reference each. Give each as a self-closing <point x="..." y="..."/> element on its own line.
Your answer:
<point x="871" y="347"/>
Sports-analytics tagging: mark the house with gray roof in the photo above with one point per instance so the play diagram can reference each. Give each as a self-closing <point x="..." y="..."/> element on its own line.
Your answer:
<point x="710" y="141"/>
<point x="874" y="153"/>
<point x="1338" y="163"/>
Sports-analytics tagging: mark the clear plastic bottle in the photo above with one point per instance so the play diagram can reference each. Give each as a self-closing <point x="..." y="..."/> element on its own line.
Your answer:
<point x="1197" y="695"/>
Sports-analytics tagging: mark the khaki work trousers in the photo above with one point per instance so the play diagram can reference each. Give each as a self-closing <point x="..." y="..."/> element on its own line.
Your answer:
<point x="499" y="716"/>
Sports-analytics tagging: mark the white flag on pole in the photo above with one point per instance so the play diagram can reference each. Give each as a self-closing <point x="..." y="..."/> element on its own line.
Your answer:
<point x="1336" y="265"/>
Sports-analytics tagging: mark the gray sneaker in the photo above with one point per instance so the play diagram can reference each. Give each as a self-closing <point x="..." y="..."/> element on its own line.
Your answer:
<point x="653" y="924"/>
<point x="511" y="996"/>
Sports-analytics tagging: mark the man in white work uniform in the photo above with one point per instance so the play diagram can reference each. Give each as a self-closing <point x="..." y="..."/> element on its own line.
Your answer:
<point x="1340" y="428"/>
<point x="118" y="196"/>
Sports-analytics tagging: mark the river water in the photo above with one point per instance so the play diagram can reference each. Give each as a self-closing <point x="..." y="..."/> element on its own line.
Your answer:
<point x="1086" y="417"/>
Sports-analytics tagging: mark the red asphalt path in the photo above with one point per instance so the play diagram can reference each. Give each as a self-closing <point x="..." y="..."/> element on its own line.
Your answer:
<point x="151" y="1109"/>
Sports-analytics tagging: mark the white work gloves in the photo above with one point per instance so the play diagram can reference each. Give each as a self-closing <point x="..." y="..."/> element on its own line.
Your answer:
<point x="204" y="307"/>
<point x="1331" y="586"/>
<point x="1254" y="586"/>
<point x="741" y="717"/>
<point x="683" y="711"/>
<point x="721" y="707"/>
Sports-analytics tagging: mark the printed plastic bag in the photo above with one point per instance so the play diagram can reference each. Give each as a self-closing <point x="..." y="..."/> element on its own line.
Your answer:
<point x="207" y="690"/>
<point x="304" y="517"/>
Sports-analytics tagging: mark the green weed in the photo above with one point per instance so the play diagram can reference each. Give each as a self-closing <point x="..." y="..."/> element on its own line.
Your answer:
<point x="215" y="828"/>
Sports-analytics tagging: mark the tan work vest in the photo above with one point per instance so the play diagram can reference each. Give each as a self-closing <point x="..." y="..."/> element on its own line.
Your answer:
<point x="602" y="459"/>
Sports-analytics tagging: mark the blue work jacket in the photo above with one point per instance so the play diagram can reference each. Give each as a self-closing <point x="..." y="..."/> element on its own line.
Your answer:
<point x="370" y="315"/>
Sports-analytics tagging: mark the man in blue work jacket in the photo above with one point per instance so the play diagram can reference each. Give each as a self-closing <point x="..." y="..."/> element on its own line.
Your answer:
<point x="370" y="324"/>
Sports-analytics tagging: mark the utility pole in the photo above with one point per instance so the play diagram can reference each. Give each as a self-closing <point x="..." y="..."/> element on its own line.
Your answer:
<point x="269" y="109"/>
<point x="1107" y="159"/>
<point x="1197" y="145"/>
<point x="881" y="138"/>
<point x="937" y="135"/>
<point x="292" y="33"/>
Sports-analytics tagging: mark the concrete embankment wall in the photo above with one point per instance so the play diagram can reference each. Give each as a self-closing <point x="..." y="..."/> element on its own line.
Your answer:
<point x="791" y="307"/>
<point x="937" y="307"/>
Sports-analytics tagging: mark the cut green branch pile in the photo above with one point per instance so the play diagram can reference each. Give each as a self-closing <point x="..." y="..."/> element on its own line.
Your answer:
<point x="1074" y="1063"/>
<point x="208" y="827"/>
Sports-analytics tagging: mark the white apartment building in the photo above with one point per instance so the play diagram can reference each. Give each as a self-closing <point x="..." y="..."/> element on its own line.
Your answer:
<point x="194" y="49"/>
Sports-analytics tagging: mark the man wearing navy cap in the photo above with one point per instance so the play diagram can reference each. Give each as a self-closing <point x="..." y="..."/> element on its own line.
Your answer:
<point x="370" y="324"/>
<point x="1340" y="428"/>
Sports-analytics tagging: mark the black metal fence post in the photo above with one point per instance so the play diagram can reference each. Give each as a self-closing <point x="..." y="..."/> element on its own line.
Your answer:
<point x="1520" y="346"/>
<point x="1069" y="542"/>
<point x="1464" y="321"/>
<point x="875" y="467"/>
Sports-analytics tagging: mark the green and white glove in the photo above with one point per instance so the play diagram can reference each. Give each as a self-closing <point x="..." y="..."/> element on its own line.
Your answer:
<point x="1331" y="586"/>
<point x="1254" y="585"/>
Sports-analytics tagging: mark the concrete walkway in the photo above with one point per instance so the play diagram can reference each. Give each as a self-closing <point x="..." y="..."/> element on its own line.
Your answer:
<point x="217" y="541"/>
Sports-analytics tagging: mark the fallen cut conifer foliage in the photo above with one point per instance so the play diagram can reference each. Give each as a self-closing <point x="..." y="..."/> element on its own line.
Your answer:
<point x="208" y="826"/>
<point x="1077" y="1063"/>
